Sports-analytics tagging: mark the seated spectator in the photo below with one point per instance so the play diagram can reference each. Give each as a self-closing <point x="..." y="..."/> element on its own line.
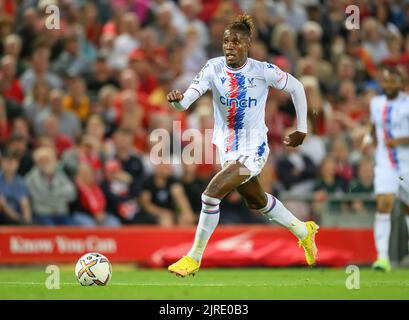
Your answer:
<point x="340" y="153"/>
<point x="86" y="153"/>
<point x="51" y="191"/>
<point x="14" y="199"/>
<point x="19" y="145"/>
<point x="71" y="62"/>
<point x="193" y="186"/>
<point x="92" y="203"/>
<point x="5" y="123"/>
<point x="96" y="128"/>
<point x="36" y="101"/>
<point x="295" y="170"/>
<point x="77" y="100"/>
<point x="12" y="46"/>
<point x="51" y="129"/>
<point x="101" y="76"/>
<point x="328" y="184"/>
<point x="164" y="198"/>
<point x="124" y="153"/>
<point x="121" y="194"/>
<point x="107" y="110"/>
<point x="39" y="69"/>
<point x="11" y="85"/>
<point x="235" y="211"/>
<point x="68" y="122"/>
<point x="363" y="187"/>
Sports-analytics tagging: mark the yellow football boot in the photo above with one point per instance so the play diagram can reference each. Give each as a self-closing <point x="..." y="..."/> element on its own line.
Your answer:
<point x="184" y="266"/>
<point x="308" y="243"/>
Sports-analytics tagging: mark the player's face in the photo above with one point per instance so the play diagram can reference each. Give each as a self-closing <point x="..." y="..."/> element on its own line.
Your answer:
<point x="235" y="47"/>
<point x="391" y="84"/>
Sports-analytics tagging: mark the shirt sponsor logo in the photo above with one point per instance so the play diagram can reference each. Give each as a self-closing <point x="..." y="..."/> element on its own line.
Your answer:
<point x="247" y="102"/>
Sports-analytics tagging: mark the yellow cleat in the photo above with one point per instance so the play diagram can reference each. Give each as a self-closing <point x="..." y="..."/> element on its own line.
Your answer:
<point x="308" y="243"/>
<point x="184" y="266"/>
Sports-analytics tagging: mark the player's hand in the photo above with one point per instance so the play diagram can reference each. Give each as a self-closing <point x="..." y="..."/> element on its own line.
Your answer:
<point x="174" y="96"/>
<point x="294" y="139"/>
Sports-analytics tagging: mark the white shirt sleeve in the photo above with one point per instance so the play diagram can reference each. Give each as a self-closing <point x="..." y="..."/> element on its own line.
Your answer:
<point x="281" y="80"/>
<point x="274" y="76"/>
<point x="199" y="85"/>
<point x="296" y="89"/>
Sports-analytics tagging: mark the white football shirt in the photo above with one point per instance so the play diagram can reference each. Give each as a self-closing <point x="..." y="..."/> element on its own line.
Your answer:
<point x="239" y="99"/>
<point x="391" y="121"/>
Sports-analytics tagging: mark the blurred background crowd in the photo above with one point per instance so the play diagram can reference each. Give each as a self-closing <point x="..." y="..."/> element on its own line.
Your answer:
<point x="78" y="104"/>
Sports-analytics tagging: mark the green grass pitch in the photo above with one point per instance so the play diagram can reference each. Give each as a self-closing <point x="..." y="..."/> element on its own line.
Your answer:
<point x="247" y="284"/>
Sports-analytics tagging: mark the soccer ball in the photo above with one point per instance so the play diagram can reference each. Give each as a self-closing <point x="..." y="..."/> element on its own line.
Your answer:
<point x="93" y="268"/>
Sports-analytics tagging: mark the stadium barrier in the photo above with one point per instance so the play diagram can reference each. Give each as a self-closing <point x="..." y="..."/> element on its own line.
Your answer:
<point x="230" y="246"/>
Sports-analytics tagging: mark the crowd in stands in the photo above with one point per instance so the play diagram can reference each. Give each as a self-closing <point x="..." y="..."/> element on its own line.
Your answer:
<point x="79" y="104"/>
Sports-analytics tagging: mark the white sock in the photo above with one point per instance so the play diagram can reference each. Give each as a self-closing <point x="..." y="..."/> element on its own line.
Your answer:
<point x="276" y="212"/>
<point x="382" y="232"/>
<point x="208" y="220"/>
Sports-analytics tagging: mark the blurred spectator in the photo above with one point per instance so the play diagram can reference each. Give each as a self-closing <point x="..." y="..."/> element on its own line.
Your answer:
<point x="39" y="70"/>
<point x="77" y="100"/>
<point x="124" y="153"/>
<point x="295" y="170"/>
<point x="164" y="198"/>
<point x="19" y="146"/>
<point x="51" y="129"/>
<point x="127" y="39"/>
<point x="121" y="194"/>
<point x="27" y="29"/>
<point x="37" y="100"/>
<point x="328" y="184"/>
<point x="284" y="42"/>
<point x="51" y="191"/>
<point x="68" y="123"/>
<point x="5" y="125"/>
<point x="193" y="186"/>
<point x="190" y="10"/>
<point x="70" y="62"/>
<point x="12" y="47"/>
<point x="292" y="12"/>
<point x="164" y="25"/>
<point x="363" y="187"/>
<point x="91" y="209"/>
<point x="235" y="211"/>
<point x="101" y="75"/>
<point x="340" y="154"/>
<point x="87" y="153"/>
<point x="96" y="128"/>
<point x="11" y="86"/>
<point x="216" y="29"/>
<point x="106" y="107"/>
<point x="374" y="40"/>
<point x="14" y="198"/>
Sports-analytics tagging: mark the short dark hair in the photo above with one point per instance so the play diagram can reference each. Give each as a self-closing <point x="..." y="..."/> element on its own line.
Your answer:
<point x="243" y="23"/>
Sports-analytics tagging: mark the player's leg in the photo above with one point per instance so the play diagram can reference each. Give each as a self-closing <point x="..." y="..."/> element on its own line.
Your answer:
<point x="225" y="181"/>
<point x="382" y="230"/>
<point x="404" y="195"/>
<point x="256" y="199"/>
<point x="386" y="184"/>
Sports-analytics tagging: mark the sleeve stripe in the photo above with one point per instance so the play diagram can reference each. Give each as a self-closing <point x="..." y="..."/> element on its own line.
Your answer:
<point x="286" y="80"/>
